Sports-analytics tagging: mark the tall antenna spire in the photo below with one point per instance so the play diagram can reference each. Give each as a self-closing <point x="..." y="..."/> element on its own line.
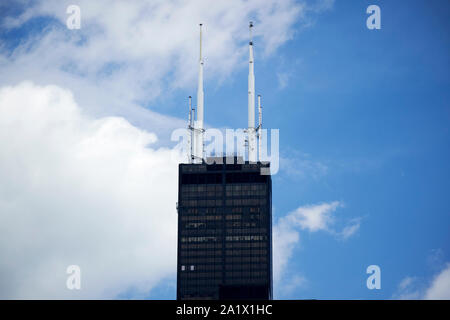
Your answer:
<point x="198" y="130"/>
<point x="251" y="102"/>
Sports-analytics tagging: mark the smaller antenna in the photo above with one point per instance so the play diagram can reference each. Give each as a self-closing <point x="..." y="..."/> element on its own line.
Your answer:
<point x="190" y="112"/>
<point x="259" y="128"/>
<point x="250" y="26"/>
<point x="189" y="132"/>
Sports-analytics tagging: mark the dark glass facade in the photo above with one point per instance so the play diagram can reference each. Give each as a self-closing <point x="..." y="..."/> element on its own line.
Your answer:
<point x="224" y="231"/>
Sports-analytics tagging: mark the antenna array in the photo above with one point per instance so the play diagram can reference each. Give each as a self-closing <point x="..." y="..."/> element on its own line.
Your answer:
<point x="195" y="118"/>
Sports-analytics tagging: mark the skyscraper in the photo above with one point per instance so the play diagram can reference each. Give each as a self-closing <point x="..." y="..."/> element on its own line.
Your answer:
<point x="224" y="231"/>
<point x="224" y="213"/>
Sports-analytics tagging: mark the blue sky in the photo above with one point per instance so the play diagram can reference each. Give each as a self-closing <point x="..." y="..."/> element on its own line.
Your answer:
<point x="372" y="106"/>
<point x="364" y="120"/>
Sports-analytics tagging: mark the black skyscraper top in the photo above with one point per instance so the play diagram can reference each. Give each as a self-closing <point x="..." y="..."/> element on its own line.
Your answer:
<point x="224" y="231"/>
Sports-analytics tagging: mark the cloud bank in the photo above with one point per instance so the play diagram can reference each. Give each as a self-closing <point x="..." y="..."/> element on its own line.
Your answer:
<point x="83" y="191"/>
<point x="129" y="54"/>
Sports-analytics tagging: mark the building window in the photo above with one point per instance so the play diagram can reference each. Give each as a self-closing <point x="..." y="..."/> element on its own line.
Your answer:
<point x="192" y="268"/>
<point x="183" y="268"/>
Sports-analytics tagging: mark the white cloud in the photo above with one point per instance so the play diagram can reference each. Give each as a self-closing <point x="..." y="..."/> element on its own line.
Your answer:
<point x="350" y="229"/>
<point x="77" y="190"/>
<point x="408" y="289"/>
<point x="285" y="237"/>
<point x="440" y="286"/>
<point x="406" y="282"/>
<point x="293" y="283"/>
<point x="137" y="50"/>
<point x="313" y="218"/>
<point x="437" y="289"/>
<point x="286" y="234"/>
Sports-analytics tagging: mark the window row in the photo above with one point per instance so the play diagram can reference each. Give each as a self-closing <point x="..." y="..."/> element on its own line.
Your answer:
<point x="194" y="285"/>
<point x="194" y="168"/>
<point x="216" y="229"/>
<point x="245" y="274"/>
<point x="219" y="210"/>
<point x="201" y="218"/>
<point x="230" y="245"/>
<point x="246" y="238"/>
<point x="193" y="253"/>
<point x="241" y="217"/>
<point x="246" y="262"/>
<point x="208" y="267"/>
<point x="219" y="202"/>
<point x="238" y="281"/>
<point x="237" y="224"/>
<point x="202" y="232"/>
<point x="196" y="246"/>
<point x="202" y="188"/>
<point x="199" y="195"/>
<point x="200" y="239"/>
<point x="254" y="237"/>
<point x="190" y="284"/>
<point x="246" y="187"/>
<point x="246" y="230"/>
<point x="203" y="260"/>
<point x="245" y="252"/>
<point x="246" y="202"/>
<point x="195" y="225"/>
<point x="201" y="203"/>
<point x="219" y="194"/>
<point x="205" y="275"/>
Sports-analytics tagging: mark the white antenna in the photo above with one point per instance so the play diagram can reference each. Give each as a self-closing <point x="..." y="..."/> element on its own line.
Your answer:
<point x="251" y="102"/>
<point x="191" y="112"/>
<point x="189" y="132"/>
<point x="198" y="127"/>
<point x="259" y="128"/>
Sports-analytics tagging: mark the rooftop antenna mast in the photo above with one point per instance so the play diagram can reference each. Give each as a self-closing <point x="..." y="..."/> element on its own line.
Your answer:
<point x="190" y="130"/>
<point x="251" y="102"/>
<point x="198" y="126"/>
<point x="259" y="129"/>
